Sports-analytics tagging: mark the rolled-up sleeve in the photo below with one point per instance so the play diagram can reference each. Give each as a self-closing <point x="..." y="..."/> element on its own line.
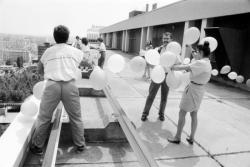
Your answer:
<point x="197" y="67"/>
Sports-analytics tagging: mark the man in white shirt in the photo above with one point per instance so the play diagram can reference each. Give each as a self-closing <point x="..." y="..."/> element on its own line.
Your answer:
<point x="153" y="88"/>
<point x="102" y="51"/>
<point x="59" y="64"/>
<point x="77" y="43"/>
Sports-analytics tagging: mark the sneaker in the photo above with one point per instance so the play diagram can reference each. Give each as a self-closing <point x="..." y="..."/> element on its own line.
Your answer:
<point x="161" y="117"/>
<point x="144" y="118"/>
<point x="80" y="149"/>
<point x="36" y="150"/>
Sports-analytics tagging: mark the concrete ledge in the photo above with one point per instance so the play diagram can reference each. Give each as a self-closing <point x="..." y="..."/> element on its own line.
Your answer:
<point x="230" y="83"/>
<point x="14" y="141"/>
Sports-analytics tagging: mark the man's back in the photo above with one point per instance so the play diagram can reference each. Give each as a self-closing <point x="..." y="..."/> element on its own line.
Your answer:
<point x="61" y="62"/>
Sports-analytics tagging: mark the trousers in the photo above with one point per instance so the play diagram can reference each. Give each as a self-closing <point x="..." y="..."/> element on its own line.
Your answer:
<point x="56" y="91"/>
<point x="153" y="89"/>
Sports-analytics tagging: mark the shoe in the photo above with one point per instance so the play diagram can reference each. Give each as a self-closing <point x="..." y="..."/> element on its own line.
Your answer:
<point x="36" y="150"/>
<point x="144" y="118"/>
<point x="190" y="141"/>
<point x="80" y="149"/>
<point x="174" y="141"/>
<point x="161" y="118"/>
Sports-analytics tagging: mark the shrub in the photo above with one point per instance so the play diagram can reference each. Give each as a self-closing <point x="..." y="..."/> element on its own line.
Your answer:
<point x="16" y="86"/>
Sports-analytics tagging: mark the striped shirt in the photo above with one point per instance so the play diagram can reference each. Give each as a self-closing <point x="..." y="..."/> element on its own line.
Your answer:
<point x="61" y="62"/>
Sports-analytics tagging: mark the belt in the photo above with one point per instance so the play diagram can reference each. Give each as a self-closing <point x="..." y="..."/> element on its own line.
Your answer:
<point x="196" y="83"/>
<point x="61" y="80"/>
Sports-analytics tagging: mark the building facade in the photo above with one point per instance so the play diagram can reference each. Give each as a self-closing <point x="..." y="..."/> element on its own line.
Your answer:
<point x="93" y="33"/>
<point x="227" y="21"/>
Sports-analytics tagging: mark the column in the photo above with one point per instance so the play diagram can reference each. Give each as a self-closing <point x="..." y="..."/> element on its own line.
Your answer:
<point x="123" y="40"/>
<point x="114" y="40"/>
<point x="143" y="37"/>
<point x="187" y="25"/>
<point x="149" y="34"/>
<point x="126" y="40"/>
<point x="205" y="23"/>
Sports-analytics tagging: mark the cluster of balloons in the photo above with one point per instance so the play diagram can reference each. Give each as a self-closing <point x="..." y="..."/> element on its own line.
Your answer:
<point x="231" y="74"/>
<point x="167" y="60"/>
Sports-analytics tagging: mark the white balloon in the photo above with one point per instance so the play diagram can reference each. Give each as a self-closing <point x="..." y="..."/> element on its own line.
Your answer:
<point x="232" y="75"/>
<point x="214" y="72"/>
<point x="191" y="35"/>
<point x="98" y="78"/>
<point x="38" y="89"/>
<point x="29" y="107"/>
<point x="239" y="79"/>
<point x="152" y="57"/>
<point x="225" y="69"/>
<point x="137" y="64"/>
<point x="185" y="78"/>
<point x="212" y="43"/>
<point x="158" y="74"/>
<point x="173" y="79"/>
<point x="116" y="63"/>
<point x="142" y="52"/>
<point x="168" y="59"/>
<point x="186" y="60"/>
<point x="248" y="83"/>
<point x="174" y="47"/>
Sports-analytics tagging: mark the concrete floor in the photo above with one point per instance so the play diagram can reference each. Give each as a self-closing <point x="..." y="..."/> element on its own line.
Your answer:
<point x="223" y="134"/>
<point x="222" y="138"/>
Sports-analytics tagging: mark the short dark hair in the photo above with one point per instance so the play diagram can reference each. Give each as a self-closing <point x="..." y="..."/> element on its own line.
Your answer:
<point x="77" y="37"/>
<point x="168" y="34"/>
<point x="205" y="48"/>
<point x="61" y="34"/>
<point x="100" y="39"/>
<point x="85" y="41"/>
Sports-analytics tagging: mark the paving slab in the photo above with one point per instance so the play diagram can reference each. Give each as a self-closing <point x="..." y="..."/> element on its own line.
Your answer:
<point x="154" y="133"/>
<point x="121" y="88"/>
<point x="221" y="128"/>
<point x="225" y="91"/>
<point x="142" y="87"/>
<point x="96" y="154"/>
<point x="233" y="160"/>
<point x="189" y="162"/>
<point x="106" y="164"/>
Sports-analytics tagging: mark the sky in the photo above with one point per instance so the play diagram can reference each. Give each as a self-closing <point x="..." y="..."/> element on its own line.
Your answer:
<point x="39" y="17"/>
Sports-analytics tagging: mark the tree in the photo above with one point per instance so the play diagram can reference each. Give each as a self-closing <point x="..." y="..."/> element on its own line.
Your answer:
<point x="8" y="62"/>
<point x="19" y="61"/>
